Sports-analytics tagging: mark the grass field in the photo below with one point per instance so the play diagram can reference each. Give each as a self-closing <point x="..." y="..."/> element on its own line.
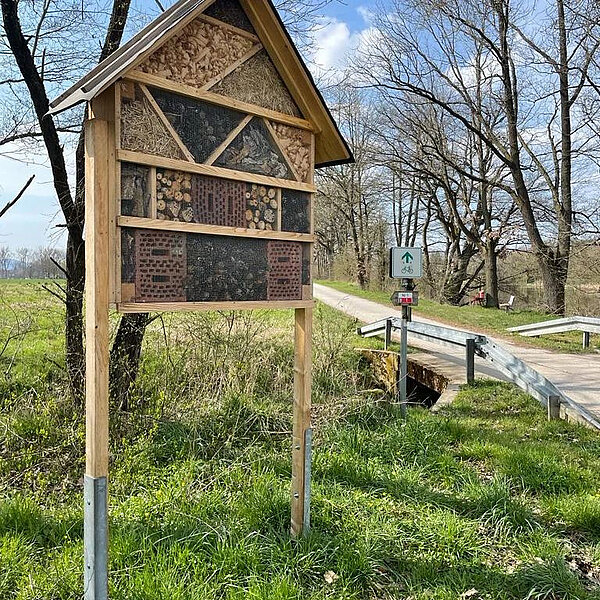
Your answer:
<point x="494" y="322"/>
<point x="485" y="500"/>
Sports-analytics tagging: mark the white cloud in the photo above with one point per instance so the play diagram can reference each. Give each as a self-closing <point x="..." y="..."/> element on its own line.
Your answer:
<point x="334" y="47"/>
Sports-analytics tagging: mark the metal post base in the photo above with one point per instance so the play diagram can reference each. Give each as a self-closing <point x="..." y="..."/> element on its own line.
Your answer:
<point x="95" y="538"/>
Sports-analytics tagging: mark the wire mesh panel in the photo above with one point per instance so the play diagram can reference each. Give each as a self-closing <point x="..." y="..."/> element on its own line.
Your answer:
<point x="255" y="151"/>
<point x="232" y="13"/>
<point x="135" y="190"/>
<point x="224" y="269"/>
<point x="285" y="270"/>
<point x="258" y="82"/>
<point x="202" y="127"/>
<point x="295" y="211"/>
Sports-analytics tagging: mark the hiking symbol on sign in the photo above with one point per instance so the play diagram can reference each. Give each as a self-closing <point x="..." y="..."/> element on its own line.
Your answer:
<point x="406" y="263"/>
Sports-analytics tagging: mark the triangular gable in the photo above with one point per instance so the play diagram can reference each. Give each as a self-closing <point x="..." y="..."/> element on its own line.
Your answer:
<point x="230" y="12"/>
<point x="248" y="16"/>
<point x="199" y="54"/>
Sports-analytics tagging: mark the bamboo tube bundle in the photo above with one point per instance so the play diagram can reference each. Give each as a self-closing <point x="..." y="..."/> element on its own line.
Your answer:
<point x="262" y="206"/>
<point x="197" y="55"/>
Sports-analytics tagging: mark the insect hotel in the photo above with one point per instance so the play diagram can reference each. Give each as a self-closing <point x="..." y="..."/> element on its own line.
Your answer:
<point x="202" y="138"/>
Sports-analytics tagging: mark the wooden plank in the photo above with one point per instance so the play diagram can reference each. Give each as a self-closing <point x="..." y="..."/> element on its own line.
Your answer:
<point x="128" y="292"/>
<point x="97" y="285"/>
<point x="301" y="416"/>
<point x="113" y="177"/>
<point x="153" y="198"/>
<point x="233" y="28"/>
<point x="160" y="225"/>
<point x="277" y="141"/>
<point x="181" y="165"/>
<point x="238" y="63"/>
<point x="116" y="233"/>
<point x="212" y="98"/>
<point x="211" y="159"/>
<point x="161" y="115"/>
<point x="207" y="306"/>
<point x="280" y="211"/>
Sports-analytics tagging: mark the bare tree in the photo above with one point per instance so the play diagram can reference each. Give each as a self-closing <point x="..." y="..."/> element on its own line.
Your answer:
<point x="428" y="53"/>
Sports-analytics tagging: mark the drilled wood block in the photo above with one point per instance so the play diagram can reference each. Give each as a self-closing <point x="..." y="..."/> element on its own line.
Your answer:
<point x="197" y="54"/>
<point x="262" y="208"/>
<point x="174" y="196"/>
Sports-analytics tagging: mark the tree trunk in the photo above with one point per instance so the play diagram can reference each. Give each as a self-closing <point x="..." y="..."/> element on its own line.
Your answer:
<point x="491" y="275"/>
<point x="554" y="278"/>
<point x="125" y="357"/>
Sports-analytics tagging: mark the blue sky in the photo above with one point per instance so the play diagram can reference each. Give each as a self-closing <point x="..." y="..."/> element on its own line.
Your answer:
<point x="32" y="221"/>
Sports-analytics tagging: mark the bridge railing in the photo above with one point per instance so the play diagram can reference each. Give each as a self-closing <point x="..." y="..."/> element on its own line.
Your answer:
<point x="587" y="325"/>
<point x="512" y="367"/>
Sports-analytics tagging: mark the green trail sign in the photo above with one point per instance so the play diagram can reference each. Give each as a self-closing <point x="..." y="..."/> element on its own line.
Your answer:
<point x="406" y="263"/>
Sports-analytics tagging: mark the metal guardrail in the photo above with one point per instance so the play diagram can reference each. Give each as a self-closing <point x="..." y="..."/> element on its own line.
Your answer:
<point x="513" y="368"/>
<point x="587" y="325"/>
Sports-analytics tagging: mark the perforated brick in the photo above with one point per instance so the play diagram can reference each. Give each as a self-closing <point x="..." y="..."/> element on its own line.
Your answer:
<point x="160" y="266"/>
<point x="284" y="279"/>
<point x="219" y="201"/>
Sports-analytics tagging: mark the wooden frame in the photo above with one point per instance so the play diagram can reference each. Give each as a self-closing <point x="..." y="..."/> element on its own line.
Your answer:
<point x="218" y="100"/>
<point x="143" y="223"/>
<point x="140" y="307"/>
<point x="150" y="160"/>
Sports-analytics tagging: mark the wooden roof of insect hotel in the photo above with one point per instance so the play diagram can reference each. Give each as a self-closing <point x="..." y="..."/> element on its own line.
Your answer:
<point x="331" y="148"/>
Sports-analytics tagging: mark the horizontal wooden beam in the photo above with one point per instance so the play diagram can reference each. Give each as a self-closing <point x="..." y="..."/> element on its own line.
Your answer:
<point x="212" y="98"/>
<point x="181" y="165"/>
<point x="207" y="306"/>
<point x="142" y="223"/>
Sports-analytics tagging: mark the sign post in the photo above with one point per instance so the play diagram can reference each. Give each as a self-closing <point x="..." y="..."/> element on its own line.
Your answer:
<point x="405" y="264"/>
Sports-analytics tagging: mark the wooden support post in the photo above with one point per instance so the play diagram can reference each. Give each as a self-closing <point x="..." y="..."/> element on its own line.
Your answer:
<point x="388" y="334"/>
<point x="553" y="408"/>
<point x="586" y="340"/>
<point x="470" y="359"/>
<point x="98" y="197"/>
<point x="302" y="405"/>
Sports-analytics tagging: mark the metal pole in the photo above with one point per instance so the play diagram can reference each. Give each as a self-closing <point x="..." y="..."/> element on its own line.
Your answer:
<point x="95" y="538"/>
<point x="403" y="362"/>
<point x="470" y="358"/>
<point x="586" y="340"/>
<point x="307" y="479"/>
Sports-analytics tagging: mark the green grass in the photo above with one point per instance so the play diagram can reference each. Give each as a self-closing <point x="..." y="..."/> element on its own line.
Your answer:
<point x="495" y="322"/>
<point x="484" y="496"/>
